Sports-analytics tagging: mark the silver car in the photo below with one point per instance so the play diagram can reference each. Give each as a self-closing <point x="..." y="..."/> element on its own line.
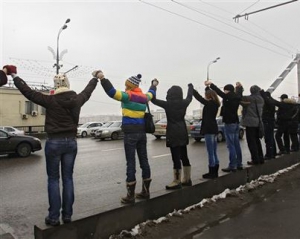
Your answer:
<point x="114" y="131"/>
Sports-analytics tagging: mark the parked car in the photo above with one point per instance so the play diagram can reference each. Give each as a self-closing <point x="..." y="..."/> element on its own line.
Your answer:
<point x="195" y="131"/>
<point x="22" y="145"/>
<point x="12" y="130"/>
<point x="113" y="131"/>
<point x="85" y="129"/>
<point x="94" y="130"/>
<point x="161" y="127"/>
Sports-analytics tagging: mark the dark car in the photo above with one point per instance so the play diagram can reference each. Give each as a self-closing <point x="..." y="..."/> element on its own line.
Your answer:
<point x="21" y="145"/>
<point x="195" y="131"/>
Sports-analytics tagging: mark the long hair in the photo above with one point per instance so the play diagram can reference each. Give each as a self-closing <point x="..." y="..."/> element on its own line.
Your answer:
<point x="212" y="95"/>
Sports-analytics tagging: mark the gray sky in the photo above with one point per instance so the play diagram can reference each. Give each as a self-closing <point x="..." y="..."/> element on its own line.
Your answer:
<point x="173" y="41"/>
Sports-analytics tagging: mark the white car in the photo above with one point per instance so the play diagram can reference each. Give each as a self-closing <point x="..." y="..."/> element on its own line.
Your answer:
<point x="12" y="130"/>
<point x="85" y="129"/>
<point x="94" y="130"/>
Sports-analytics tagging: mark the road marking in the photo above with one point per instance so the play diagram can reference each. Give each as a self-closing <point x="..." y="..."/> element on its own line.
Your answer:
<point x="162" y="155"/>
<point x="104" y="150"/>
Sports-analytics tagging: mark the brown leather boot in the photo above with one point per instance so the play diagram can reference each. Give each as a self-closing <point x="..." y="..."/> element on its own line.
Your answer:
<point x="145" y="193"/>
<point x="130" y="193"/>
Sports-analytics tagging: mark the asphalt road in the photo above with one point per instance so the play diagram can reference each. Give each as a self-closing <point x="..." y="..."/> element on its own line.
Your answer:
<point x="99" y="179"/>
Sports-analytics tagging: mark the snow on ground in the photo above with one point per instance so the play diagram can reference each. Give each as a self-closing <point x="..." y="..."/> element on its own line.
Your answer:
<point x="137" y="230"/>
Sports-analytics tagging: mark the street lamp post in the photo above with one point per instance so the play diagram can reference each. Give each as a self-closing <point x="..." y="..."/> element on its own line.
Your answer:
<point x="57" y="49"/>
<point x="214" y="61"/>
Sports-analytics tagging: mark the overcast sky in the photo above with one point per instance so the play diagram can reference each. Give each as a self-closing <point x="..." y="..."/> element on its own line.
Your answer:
<point x="173" y="41"/>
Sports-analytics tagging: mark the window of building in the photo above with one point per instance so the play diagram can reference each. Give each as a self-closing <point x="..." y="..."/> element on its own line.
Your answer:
<point x="30" y="106"/>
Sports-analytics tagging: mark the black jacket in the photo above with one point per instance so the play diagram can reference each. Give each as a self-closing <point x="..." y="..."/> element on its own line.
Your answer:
<point x="268" y="114"/>
<point x="62" y="110"/>
<point x="209" y="123"/>
<point x="175" y="108"/>
<point x="230" y="106"/>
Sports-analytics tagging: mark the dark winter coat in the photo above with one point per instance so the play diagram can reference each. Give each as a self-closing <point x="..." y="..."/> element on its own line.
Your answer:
<point x="287" y="110"/>
<point x="268" y="114"/>
<point x="175" y="107"/>
<point x="209" y="123"/>
<point x="231" y="102"/>
<point x="62" y="110"/>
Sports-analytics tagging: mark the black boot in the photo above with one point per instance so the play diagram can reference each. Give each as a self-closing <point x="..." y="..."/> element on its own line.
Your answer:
<point x="210" y="174"/>
<point x="217" y="170"/>
<point x="130" y="193"/>
<point x="144" y="194"/>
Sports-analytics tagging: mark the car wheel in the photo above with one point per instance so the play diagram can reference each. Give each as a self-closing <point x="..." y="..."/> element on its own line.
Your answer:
<point x="197" y="139"/>
<point x="157" y="136"/>
<point x="241" y="134"/>
<point x="24" y="150"/>
<point x="83" y="134"/>
<point x="114" y="136"/>
<point x="220" y="137"/>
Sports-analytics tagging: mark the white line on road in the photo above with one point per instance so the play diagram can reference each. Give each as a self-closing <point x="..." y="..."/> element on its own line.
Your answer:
<point x="111" y="149"/>
<point x="162" y="155"/>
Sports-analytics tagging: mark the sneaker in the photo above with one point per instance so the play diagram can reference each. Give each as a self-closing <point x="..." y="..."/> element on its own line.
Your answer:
<point x="52" y="222"/>
<point x="67" y="220"/>
<point x="228" y="170"/>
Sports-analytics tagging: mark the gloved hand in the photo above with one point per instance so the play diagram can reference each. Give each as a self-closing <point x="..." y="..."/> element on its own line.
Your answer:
<point x="98" y="74"/>
<point x="154" y="82"/>
<point x="190" y="85"/>
<point x="11" y="69"/>
<point x="207" y="83"/>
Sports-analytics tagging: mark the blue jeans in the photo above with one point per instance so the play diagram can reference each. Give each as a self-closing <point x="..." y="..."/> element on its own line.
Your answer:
<point x="136" y="142"/>
<point x="233" y="145"/>
<point x="60" y="152"/>
<point x="211" y="146"/>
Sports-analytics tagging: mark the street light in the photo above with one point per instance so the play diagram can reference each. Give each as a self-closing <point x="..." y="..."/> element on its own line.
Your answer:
<point x="214" y="61"/>
<point x="57" y="50"/>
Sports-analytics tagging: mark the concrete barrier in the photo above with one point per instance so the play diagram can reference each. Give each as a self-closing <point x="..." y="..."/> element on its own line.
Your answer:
<point x="113" y="221"/>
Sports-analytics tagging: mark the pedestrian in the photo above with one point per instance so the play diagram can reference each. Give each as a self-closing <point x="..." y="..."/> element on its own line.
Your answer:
<point x="252" y="117"/>
<point x="133" y="125"/>
<point x="268" y="119"/>
<point x="209" y="128"/>
<point x="177" y="137"/>
<point x="287" y="121"/>
<point x="3" y="77"/>
<point x="62" y="116"/>
<point x="231" y="99"/>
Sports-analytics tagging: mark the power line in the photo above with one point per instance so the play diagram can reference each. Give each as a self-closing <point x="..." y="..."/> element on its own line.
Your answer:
<point x="250" y="6"/>
<point x="246" y="15"/>
<point x="226" y="33"/>
<point x="183" y="5"/>
<point x="271" y="34"/>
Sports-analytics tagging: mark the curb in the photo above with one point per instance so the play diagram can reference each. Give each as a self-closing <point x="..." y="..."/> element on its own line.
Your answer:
<point x="113" y="221"/>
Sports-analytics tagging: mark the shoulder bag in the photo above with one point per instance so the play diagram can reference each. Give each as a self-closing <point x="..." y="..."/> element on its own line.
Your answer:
<point x="149" y="123"/>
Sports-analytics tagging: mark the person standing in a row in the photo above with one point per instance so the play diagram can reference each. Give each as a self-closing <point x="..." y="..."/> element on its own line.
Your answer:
<point x="252" y="112"/>
<point x="231" y="101"/>
<point x="3" y="77"/>
<point x="61" y="122"/>
<point x="177" y="136"/>
<point x="209" y="129"/>
<point x="133" y="125"/>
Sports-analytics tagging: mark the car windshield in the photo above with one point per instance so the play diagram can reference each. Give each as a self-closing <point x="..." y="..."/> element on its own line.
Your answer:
<point x="115" y="124"/>
<point x="84" y="125"/>
<point x="107" y="124"/>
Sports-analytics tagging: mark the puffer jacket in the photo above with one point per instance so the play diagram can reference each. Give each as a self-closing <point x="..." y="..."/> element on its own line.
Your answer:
<point x="251" y="115"/>
<point x="175" y="107"/>
<point x="62" y="110"/>
<point x="133" y="105"/>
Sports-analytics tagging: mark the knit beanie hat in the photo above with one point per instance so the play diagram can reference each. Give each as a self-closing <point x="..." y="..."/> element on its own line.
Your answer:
<point x="254" y="89"/>
<point x="61" y="80"/>
<point x="133" y="81"/>
<point x="229" y="87"/>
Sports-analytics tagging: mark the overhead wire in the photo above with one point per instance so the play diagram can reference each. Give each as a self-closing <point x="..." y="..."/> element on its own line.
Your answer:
<point x="265" y="40"/>
<point x="252" y="23"/>
<point x="213" y="28"/>
<point x="249" y="6"/>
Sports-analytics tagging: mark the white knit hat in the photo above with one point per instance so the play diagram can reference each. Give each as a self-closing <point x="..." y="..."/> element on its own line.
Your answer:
<point x="61" y="80"/>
